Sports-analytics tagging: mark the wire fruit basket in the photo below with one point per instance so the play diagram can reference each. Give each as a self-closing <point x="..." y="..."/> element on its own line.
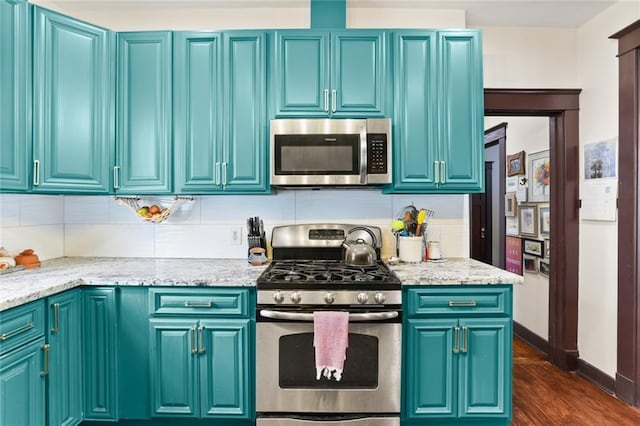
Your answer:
<point x="153" y="209"/>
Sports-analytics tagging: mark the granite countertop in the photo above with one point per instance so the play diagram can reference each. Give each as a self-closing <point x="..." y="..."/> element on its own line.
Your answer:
<point x="453" y="271"/>
<point x="54" y="276"/>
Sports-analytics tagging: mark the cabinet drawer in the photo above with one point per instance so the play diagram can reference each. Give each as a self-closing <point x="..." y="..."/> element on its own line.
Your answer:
<point x="215" y="302"/>
<point x="459" y="301"/>
<point x="21" y="324"/>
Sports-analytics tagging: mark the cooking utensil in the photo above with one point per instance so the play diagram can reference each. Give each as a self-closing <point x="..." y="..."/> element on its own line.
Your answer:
<point x="359" y="252"/>
<point x="421" y="216"/>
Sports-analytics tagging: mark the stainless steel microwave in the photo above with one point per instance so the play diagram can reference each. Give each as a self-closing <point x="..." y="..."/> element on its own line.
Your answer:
<point x="318" y="151"/>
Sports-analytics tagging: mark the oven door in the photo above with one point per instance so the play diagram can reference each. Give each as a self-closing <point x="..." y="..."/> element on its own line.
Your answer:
<point x="286" y="374"/>
<point x="318" y="152"/>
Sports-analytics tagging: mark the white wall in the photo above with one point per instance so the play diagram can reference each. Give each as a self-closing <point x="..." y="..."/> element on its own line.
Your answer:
<point x="598" y="77"/>
<point x="530" y="300"/>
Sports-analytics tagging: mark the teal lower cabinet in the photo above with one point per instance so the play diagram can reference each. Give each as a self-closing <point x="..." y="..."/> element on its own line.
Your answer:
<point x="65" y="378"/>
<point x="99" y="327"/>
<point x="457" y="355"/>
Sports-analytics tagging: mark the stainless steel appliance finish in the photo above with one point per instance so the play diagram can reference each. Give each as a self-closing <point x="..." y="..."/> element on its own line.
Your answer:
<point x="330" y="151"/>
<point x="307" y="274"/>
<point x="369" y="421"/>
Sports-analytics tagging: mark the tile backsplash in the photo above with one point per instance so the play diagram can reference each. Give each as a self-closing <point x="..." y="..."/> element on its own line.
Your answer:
<point x="56" y="226"/>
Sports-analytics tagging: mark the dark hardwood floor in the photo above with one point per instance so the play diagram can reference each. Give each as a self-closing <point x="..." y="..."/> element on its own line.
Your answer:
<point x="546" y="395"/>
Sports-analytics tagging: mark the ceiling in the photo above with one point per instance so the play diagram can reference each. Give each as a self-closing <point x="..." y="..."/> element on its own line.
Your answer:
<point x="479" y="13"/>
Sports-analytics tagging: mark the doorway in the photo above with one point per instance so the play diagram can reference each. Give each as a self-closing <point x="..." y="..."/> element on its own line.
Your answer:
<point x="561" y="106"/>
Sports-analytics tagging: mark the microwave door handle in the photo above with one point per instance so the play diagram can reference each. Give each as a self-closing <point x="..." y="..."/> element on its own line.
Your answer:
<point x="370" y="316"/>
<point x="363" y="158"/>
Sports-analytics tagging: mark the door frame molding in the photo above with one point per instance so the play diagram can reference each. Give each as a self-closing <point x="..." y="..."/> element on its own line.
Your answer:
<point x="562" y="108"/>
<point x="627" y="381"/>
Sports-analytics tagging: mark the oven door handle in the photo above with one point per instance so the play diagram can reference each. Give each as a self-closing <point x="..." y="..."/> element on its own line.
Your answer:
<point x="371" y="316"/>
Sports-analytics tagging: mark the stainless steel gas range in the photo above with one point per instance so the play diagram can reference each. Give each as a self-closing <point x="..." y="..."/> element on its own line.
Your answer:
<point x="308" y="275"/>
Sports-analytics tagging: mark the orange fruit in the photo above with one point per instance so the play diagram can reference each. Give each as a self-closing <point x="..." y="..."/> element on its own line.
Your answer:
<point x="154" y="209"/>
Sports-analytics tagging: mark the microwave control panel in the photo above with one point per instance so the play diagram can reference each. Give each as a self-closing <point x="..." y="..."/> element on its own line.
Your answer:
<point x="376" y="153"/>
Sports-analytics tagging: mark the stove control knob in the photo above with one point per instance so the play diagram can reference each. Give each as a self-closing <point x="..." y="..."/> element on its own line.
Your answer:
<point x="380" y="298"/>
<point x="278" y="297"/>
<point x="362" y="298"/>
<point x="296" y="297"/>
<point x="329" y="298"/>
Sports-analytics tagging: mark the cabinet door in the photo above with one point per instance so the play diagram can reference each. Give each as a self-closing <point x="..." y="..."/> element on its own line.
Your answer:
<point x="143" y="113"/>
<point x="245" y="159"/>
<point x="73" y="139"/>
<point x="22" y="387"/>
<point x="65" y="379"/>
<point x="301" y="74"/>
<point x="415" y="121"/>
<point x="99" y="355"/>
<point x="430" y="372"/>
<point x="485" y="368"/>
<point x="461" y="111"/>
<point x="224" y="369"/>
<point x="173" y="360"/>
<point x="15" y="102"/>
<point x="197" y="111"/>
<point x="358" y="73"/>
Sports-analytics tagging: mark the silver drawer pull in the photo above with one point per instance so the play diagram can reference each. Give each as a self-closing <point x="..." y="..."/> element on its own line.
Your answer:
<point x="27" y="326"/>
<point x="372" y="316"/>
<point x="196" y="304"/>
<point x="463" y="303"/>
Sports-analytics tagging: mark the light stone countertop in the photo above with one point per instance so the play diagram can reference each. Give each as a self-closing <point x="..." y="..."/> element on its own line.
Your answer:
<point x="57" y="275"/>
<point x="453" y="271"/>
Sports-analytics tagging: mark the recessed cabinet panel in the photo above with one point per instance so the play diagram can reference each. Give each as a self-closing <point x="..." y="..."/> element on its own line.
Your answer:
<point x="197" y="112"/>
<point x="144" y="158"/>
<point x="73" y="109"/>
<point x="415" y="129"/>
<point x="15" y="102"/>
<point x="244" y="166"/>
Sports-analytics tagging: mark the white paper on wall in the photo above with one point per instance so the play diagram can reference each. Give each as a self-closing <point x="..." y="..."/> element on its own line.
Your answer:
<point x="599" y="199"/>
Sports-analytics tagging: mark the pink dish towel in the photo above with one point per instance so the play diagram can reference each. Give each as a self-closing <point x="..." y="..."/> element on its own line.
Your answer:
<point x="330" y="340"/>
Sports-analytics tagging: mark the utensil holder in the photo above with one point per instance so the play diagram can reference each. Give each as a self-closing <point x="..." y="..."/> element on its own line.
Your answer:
<point x="410" y="249"/>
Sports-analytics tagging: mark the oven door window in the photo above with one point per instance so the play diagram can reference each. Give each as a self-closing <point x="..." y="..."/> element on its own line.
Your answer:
<point x="326" y="154"/>
<point x="297" y="368"/>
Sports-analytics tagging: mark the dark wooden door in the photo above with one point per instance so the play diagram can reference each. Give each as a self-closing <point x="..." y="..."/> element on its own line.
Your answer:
<point x="481" y="223"/>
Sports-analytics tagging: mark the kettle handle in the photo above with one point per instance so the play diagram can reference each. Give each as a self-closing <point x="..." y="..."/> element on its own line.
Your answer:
<point x="363" y="228"/>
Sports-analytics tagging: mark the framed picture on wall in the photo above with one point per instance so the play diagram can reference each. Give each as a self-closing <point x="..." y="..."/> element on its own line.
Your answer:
<point x="528" y="220"/>
<point x="547" y="248"/>
<point x="510" y="204"/>
<point x="512" y="184"/>
<point x="513" y="255"/>
<point x="512" y="226"/>
<point x="539" y="177"/>
<point x="515" y="164"/>
<point x="530" y="264"/>
<point x="533" y="247"/>
<point x="544" y="213"/>
<point x="545" y="267"/>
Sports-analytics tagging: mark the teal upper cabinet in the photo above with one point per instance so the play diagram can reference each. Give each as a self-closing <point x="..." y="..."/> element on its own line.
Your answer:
<point x="438" y="132"/>
<point x="143" y="113"/>
<point x="219" y="113"/>
<point x="15" y="101"/>
<point x="73" y="138"/>
<point x="65" y="379"/>
<point x="321" y="73"/>
<point x="244" y="166"/>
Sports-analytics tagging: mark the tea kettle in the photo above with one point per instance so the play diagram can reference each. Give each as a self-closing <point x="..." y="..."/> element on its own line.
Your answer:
<point x="359" y="252"/>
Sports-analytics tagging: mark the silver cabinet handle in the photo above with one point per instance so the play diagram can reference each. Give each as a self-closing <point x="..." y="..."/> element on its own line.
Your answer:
<point x="45" y="348"/>
<point x="326" y="100"/>
<point x="56" y="318"/>
<point x="36" y="172"/>
<point x="224" y="173"/>
<point x="193" y="340"/>
<point x="373" y="316"/>
<point x="456" y="339"/>
<point x="462" y="303"/>
<point x="198" y="304"/>
<point x="116" y="178"/>
<point x="217" y="173"/>
<point x="334" y="100"/>
<point x="201" y="339"/>
<point x="443" y="173"/>
<point x="27" y="326"/>
<point x="436" y="172"/>
<point x="465" y="336"/>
